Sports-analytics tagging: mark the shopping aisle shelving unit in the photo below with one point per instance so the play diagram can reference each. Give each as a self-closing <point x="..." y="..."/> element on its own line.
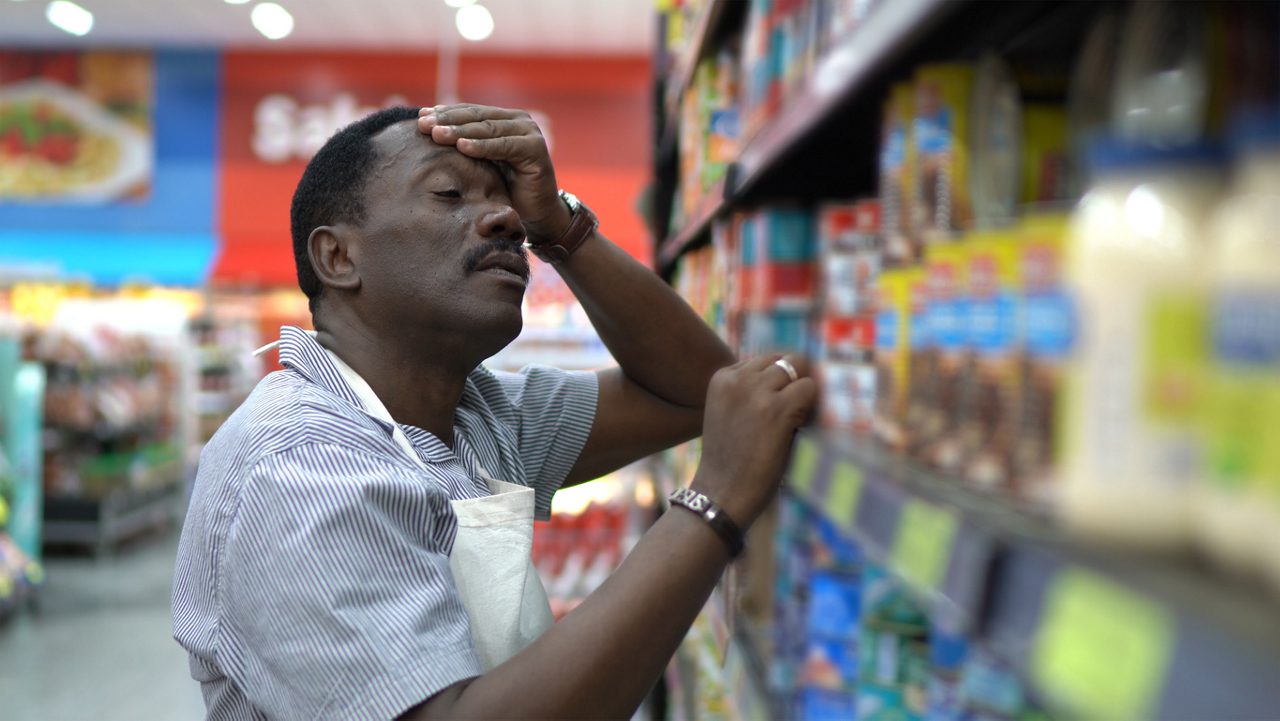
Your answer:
<point x="1051" y="605"/>
<point x="1095" y="632"/>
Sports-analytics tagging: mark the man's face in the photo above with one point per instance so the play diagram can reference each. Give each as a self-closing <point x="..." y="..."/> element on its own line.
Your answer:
<point x="440" y="245"/>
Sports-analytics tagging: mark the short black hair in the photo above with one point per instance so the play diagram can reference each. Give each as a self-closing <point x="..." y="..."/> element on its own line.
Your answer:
<point x="331" y="189"/>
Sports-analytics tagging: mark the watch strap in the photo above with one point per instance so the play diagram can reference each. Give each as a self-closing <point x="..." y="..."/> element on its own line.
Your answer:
<point x="714" y="516"/>
<point x="582" y="224"/>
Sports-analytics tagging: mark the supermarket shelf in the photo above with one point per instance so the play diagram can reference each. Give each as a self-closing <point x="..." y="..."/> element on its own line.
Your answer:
<point x="695" y="227"/>
<point x="705" y="28"/>
<point x="100" y="524"/>
<point x="844" y="72"/>
<point x="848" y="68"/>
<point x="1095" y="631"/>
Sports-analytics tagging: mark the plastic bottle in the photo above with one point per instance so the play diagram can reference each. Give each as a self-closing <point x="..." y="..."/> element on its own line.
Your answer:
<point x="1136" y="268"/>
<point x="1238" y="517"/>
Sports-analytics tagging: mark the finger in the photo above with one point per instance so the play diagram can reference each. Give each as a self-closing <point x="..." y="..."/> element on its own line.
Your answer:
<point x="761" y="362"/>
<point x="486" y="129"/>
<point x="799" y="399"/>
<point x="513" y="149"/>
<point x="778" y="376"/>
<point x="467" y="113"/>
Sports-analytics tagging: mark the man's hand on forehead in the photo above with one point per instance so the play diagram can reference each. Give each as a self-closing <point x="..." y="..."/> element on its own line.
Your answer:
<point x="510" y="138"/>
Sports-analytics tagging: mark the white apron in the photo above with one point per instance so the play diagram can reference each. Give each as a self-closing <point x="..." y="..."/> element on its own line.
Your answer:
<point x="492" y="560"/>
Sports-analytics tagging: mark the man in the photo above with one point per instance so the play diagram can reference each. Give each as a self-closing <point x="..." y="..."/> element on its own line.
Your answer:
<point x="328" y="566"/>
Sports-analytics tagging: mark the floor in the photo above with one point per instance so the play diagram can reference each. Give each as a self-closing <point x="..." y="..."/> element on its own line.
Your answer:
<point x="98" y="644"/>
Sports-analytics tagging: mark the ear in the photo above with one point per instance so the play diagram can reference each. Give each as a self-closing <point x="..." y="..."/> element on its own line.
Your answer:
<point x="334" y="252"/>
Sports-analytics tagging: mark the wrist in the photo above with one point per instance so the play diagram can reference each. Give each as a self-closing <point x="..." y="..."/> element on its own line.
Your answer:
<point x="716" y="518"/>
<point x="582" y="224"/>
<point x="557" y="223"/>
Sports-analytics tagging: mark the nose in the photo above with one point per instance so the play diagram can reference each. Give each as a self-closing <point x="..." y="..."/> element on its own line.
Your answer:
<point x="501" y="222"/>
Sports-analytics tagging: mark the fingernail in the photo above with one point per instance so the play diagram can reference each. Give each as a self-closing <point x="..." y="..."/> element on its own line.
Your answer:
<point x="425" y="111"/>
<point x="427" y="119"/>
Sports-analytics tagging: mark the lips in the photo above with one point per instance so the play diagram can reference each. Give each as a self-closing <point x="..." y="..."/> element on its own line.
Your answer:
<point x="504" y="262"/>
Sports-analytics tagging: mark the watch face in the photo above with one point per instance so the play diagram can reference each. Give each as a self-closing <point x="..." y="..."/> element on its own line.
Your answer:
<point x="571" y="200"/>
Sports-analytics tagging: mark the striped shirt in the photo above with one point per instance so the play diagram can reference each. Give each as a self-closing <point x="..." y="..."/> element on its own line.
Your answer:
<point x="312" y="577"/>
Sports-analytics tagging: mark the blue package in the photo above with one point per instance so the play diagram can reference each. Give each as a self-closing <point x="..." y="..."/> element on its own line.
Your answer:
<point x="822" y="705"/>
<point x="834" y="604"/>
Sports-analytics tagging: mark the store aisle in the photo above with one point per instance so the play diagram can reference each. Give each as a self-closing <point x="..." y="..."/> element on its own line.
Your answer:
<point x="99" y="644"/>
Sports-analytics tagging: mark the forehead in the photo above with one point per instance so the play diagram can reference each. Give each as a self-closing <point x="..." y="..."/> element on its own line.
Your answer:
<point x="404" y="152"/>
<point x="402" y="148"/>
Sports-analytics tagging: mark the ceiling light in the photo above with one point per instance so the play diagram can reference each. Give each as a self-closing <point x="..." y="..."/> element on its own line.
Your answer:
<point x="237" y="2"/>
<point x="474" y="22"/>
<point x="458" y="3"/>
<point x="271" y="20"/>
<point x="68" y="16"/>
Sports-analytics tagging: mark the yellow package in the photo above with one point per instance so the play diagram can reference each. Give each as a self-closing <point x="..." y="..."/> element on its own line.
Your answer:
<point x="1046" y="336"/>
<point x="897" y="160"/>
<point x="943" y="205"/>
<point x="1044" y="154"/>
<point x="990" y="398"/>
<point x="892" y="354"/>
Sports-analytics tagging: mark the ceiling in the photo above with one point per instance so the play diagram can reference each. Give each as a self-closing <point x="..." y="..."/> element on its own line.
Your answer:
<point x="608" y="27"/>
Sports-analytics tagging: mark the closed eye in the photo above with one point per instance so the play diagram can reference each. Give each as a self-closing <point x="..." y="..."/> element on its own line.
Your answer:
<point x="452" y="194"/>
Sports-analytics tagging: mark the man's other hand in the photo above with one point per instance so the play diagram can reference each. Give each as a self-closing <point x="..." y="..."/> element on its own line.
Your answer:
<point x="753" y="411"/>
<point x="512" y="139"/>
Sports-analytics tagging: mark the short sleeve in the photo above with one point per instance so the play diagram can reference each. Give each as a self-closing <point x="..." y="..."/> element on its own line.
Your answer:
<point x="335" y="596"/>
<point x="554" y="411"/>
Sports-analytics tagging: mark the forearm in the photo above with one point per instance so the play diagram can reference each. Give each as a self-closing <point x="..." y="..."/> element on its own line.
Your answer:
<point x="657" y="339"/>
<point x="604" y="656"/>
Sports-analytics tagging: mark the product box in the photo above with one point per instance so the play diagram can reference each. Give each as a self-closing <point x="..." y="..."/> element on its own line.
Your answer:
<point x="1044" y="154"/>
<point x="897" y="182"/>
<point x="887" y="606"/>
<point x="892" y="356"/>
<point x="942" y="109"/>
<point x="877" y="703"/>
<point x="833" y="550"/>
<point x="847" y="339"/>
<point x="830" y="663"/>
<point x="849" y="254"/>
<point x="815" y="704"/>
<point x="989" y="687"/>
<point x="1046" y="337"/>
<point x="784" y="235"/>
<point x="834" y="605"/>
<point x="990" y="402"/>
<point x="948" y="649"/>
<point x="780" y="331"/>
<point x="936" y="426"/>
<point x="848" y="396"/>
<point x="922" y="361"/>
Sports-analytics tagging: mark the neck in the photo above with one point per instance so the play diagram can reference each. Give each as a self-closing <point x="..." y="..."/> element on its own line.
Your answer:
<point x="418" y="388"/>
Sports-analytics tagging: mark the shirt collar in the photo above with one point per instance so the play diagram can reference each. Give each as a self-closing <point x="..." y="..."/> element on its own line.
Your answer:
<point x="300" y="352"/>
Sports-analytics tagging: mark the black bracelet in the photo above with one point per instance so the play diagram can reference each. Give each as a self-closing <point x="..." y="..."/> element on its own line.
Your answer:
<point x="714" y="516"/>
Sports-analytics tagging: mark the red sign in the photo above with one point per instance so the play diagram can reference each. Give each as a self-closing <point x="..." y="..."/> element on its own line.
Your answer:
<point x="278" y="109"/>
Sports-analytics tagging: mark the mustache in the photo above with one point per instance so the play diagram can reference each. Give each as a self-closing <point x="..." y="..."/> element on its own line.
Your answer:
<point x="517" y="252"/>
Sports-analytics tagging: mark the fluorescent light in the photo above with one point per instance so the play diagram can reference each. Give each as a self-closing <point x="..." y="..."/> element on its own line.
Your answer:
<point x="236" y="2"/>
<point x="271" y="20"/>
<point x="474" y="22"/>
<point x="458" y="3"/>
<point x="66" y="15"/>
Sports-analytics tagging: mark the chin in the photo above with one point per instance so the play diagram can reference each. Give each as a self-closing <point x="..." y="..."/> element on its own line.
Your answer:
<point x="499" y="332"/>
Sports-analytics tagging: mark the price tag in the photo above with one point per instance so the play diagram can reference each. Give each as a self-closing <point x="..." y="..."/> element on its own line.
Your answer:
<point x="922" y="548"/>
<point x="843" y="494"/>
<point x="804" y="465"/>
<point x="1102" y="650"/>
